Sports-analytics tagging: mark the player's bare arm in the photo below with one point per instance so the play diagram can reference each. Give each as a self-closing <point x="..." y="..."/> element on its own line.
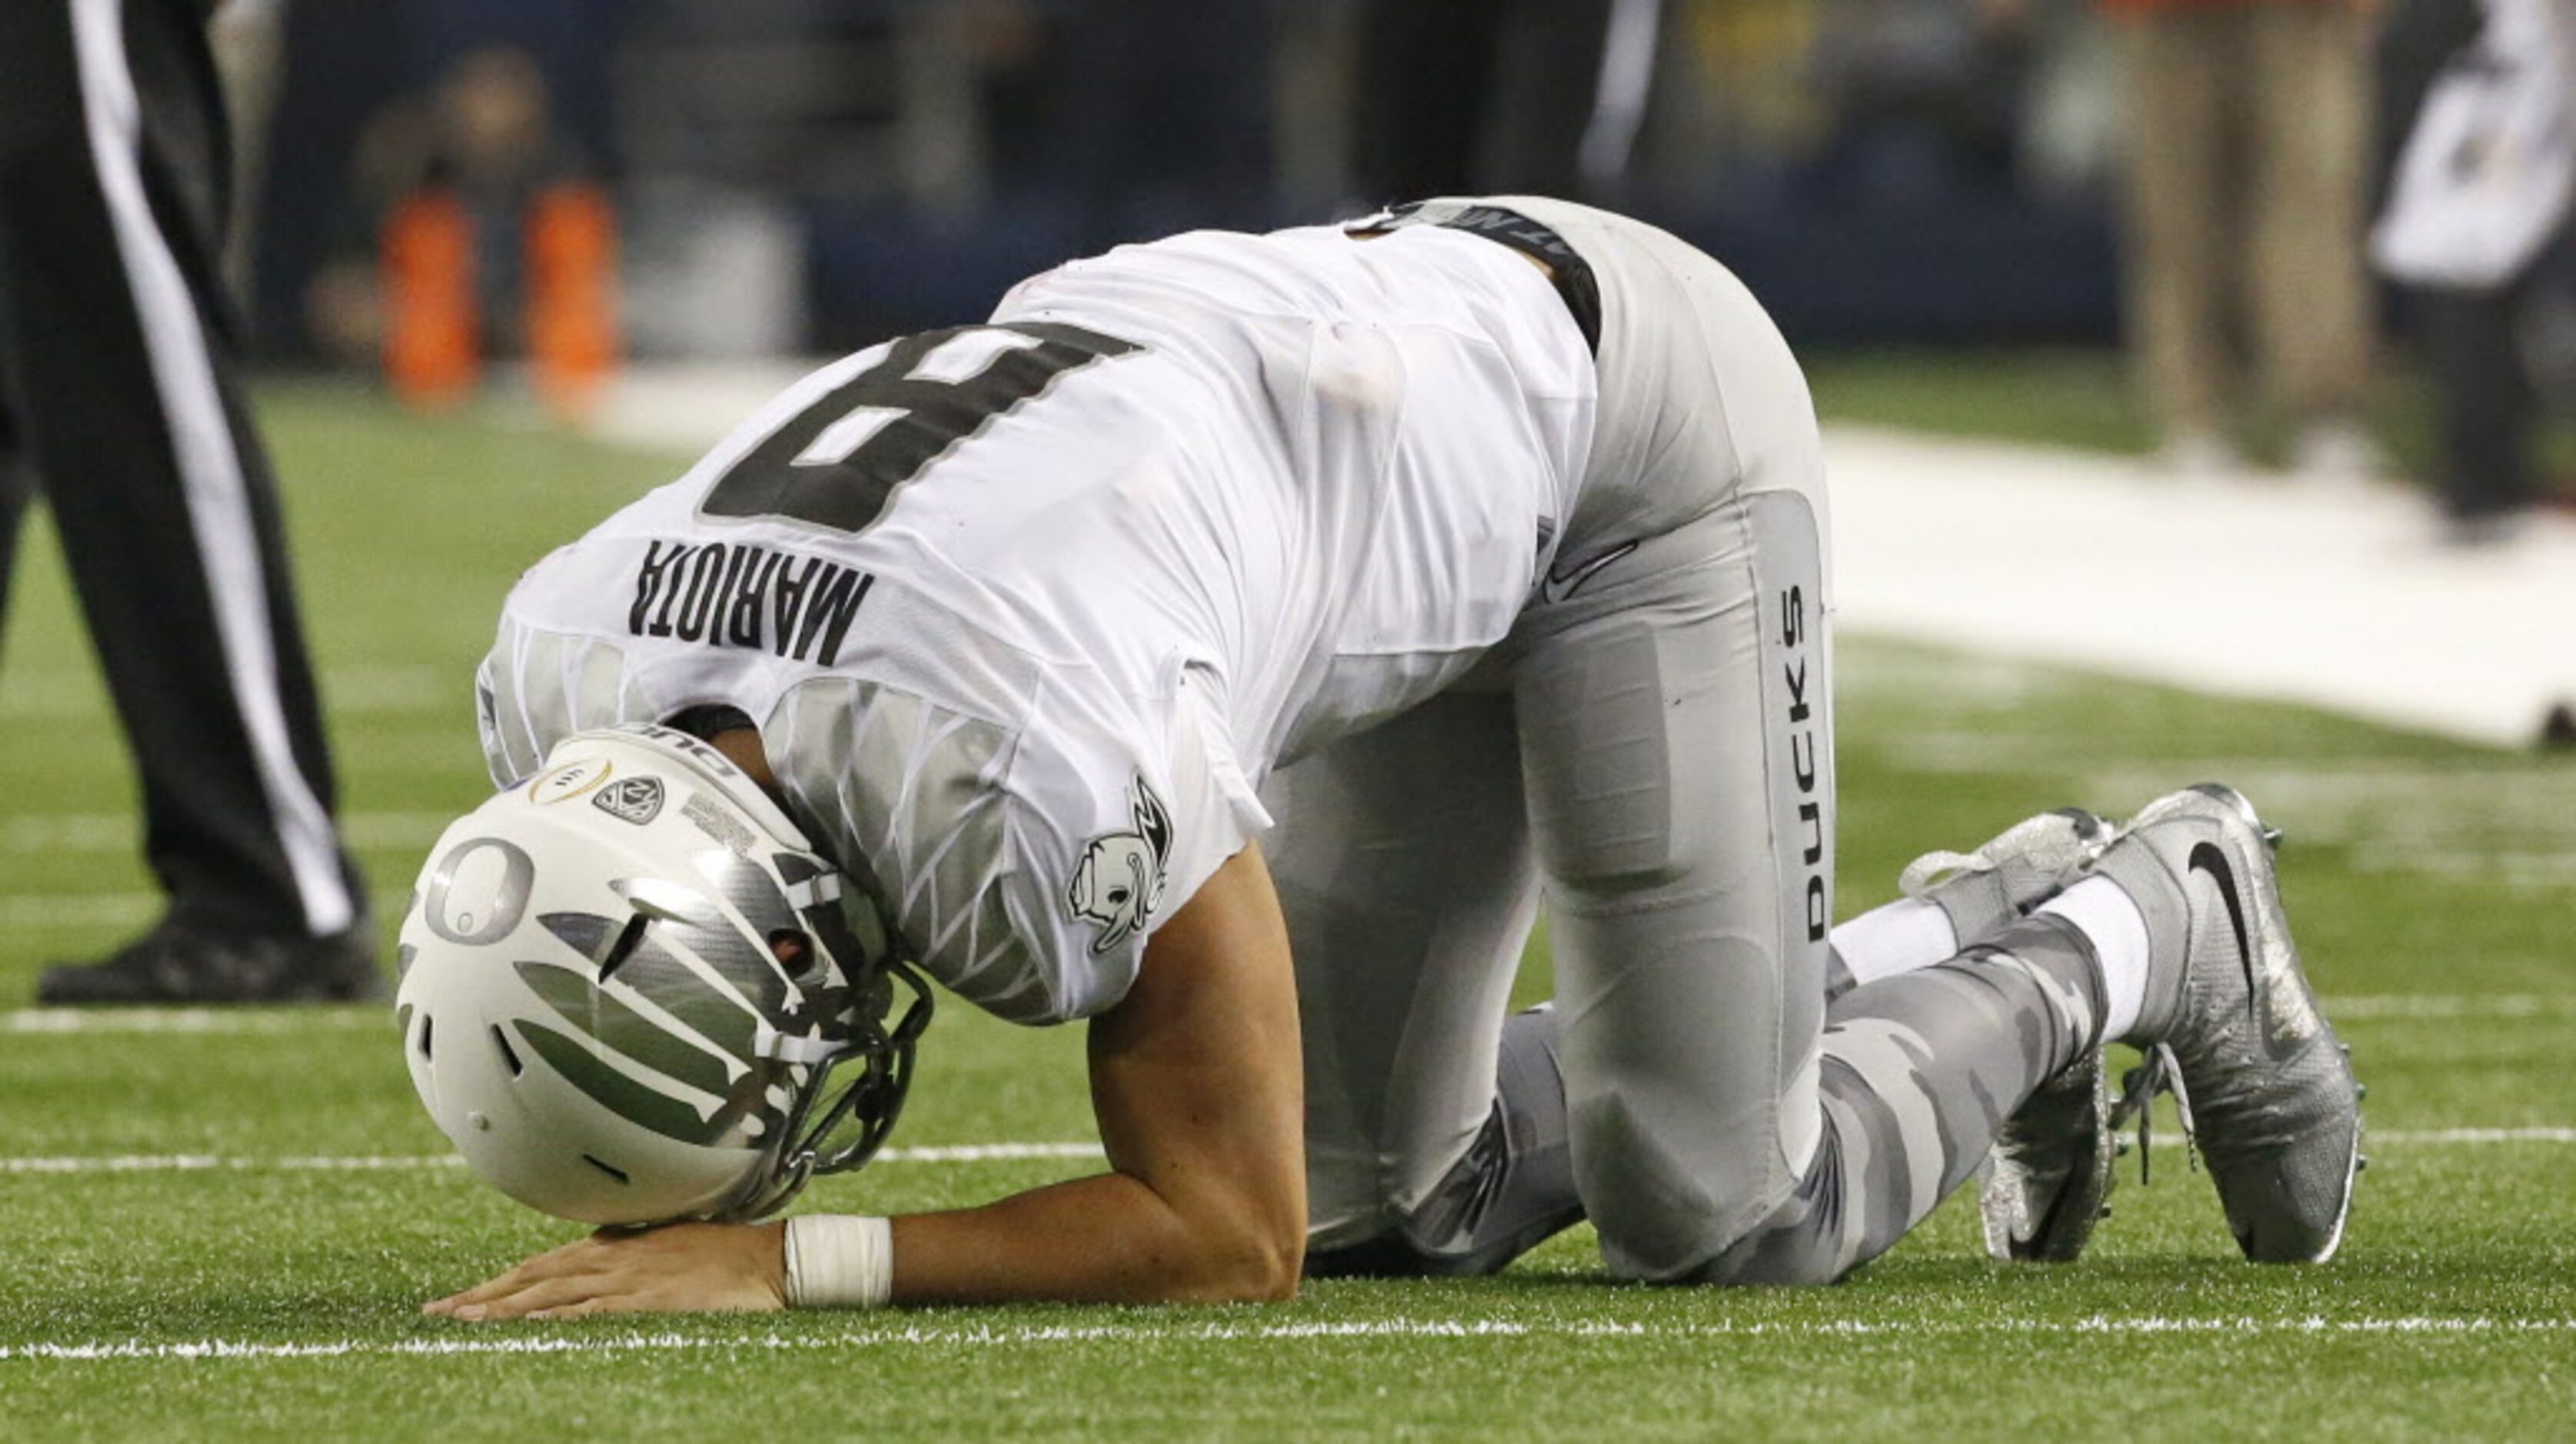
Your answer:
<point x="1194" y="1079"/>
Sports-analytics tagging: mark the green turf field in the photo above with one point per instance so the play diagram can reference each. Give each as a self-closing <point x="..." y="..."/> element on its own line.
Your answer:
<point x="223" y="1228"/>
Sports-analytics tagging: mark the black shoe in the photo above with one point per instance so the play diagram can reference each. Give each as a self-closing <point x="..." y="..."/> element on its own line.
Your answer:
<point x="175" y="964"/>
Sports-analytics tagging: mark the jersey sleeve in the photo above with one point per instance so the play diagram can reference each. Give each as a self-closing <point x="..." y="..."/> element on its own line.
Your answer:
<point x="537" y="686"/>
<point x="1023" y="861"/>
<point x="1106" y="846"/>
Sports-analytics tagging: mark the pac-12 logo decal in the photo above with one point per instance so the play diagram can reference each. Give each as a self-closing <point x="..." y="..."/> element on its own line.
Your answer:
<point x="1119" y="881"/>
<point x="630" y="799"/>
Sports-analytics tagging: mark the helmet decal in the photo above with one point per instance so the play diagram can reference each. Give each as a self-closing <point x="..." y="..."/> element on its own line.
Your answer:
<point x="735" y="963"/>
<point x="478" y="892"/>
<point x="685" y="1088"/>
<point x="569" y="781"/>
<point x="677" y="988"/>
<point x="630" y="799"/>
<point x="597" y="1014"/>
<point x="647" y="1107"/>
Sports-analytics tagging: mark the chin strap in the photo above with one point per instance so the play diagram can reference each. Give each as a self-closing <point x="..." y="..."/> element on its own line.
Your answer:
<point x="810" y="1052"/>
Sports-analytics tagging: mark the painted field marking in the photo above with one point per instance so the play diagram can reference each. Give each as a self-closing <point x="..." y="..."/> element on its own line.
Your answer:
<point x="87" y="1021"/>
<point x="377" y="689"/>
<point x="991" y="1153"/>
<point x="1288" y="1331"/>
<point x="122" y="832"/>
<point x="30" y="912"/>
<point x="2379" y="1007"/>
<point x="2409" y="1006"/>
<point x="371" y="1163"/>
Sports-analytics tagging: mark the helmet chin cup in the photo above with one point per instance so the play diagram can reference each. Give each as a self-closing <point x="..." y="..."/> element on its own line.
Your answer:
<point x="633" y="992"/>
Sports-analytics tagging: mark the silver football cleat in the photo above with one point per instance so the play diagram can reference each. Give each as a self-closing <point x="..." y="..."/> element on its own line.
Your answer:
<point x="2041" y="1187"/>
<point x="2265" y="1088"/>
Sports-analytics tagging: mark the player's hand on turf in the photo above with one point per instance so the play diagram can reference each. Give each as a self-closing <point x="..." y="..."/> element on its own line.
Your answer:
<point x="677" y="1268"/>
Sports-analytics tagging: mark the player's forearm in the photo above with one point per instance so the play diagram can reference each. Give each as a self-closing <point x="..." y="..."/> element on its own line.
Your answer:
<point x="1106" y="1239"/>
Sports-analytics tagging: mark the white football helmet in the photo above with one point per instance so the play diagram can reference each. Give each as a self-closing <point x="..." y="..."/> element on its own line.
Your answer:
<point x="628" y="980"/>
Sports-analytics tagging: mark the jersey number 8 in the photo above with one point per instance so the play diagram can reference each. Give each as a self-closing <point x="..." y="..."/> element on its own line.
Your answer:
<point x="838" y="462"/>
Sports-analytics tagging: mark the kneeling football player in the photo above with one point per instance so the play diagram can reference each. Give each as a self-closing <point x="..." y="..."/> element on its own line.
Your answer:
<point x="1232" y="643"/>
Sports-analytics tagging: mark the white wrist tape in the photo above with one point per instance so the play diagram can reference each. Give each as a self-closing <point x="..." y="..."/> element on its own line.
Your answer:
<point x="837" y="1261"/>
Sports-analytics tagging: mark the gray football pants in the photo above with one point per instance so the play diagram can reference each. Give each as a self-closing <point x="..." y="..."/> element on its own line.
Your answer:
<point x="1652" y="755"/>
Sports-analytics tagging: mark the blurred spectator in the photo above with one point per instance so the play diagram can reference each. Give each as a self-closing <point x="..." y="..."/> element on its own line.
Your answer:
<point x="2480" y="164"/>
<point x="1462" y="96"/>
<point x="247" y="39"/>
<point x="2247" y="141"/>
<point x="490" y="239"/>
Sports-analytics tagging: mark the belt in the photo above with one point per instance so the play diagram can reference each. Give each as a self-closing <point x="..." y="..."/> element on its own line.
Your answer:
<point x="1567" y="270"/>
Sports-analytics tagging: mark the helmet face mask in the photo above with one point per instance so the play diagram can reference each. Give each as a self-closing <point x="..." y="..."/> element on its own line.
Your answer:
<point x="839" y="1131"/>
<point x="632" y="993"/>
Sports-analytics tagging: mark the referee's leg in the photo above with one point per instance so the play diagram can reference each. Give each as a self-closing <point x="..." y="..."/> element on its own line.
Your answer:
<point x="13" y="476"/>
<point x="113" y="186"/>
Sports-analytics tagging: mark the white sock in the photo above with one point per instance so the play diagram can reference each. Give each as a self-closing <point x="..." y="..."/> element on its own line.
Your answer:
<point x="2110" y="919"/>
<point x="1902" y="937"/>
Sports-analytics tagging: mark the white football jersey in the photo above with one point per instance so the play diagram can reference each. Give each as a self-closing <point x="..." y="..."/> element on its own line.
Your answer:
<point x="1026" y="611"/>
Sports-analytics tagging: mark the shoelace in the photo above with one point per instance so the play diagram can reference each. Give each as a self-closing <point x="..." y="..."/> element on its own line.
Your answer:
<point x="2161" y="1073"/>
<point x="1935" y="868"/>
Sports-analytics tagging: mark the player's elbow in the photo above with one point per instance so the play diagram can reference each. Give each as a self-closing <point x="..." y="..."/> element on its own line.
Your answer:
<point x="1274" y="1265"/>
<point x="1246" y="1260"/>
<point x="1253" y="1269"/>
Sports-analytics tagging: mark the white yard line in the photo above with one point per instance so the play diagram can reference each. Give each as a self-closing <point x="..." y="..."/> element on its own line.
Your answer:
<point x="378" y="689"/>
<point x="2372" y="1138"/>
<point x="2378" y="1007"/>
<point x="1286" y="1331"/>
<point x="263" y="1021"/>
<point x="28" y="912"/>
<point x="2355" y="1007"/>
<point x="121" y="832"/>
<point x="997" y="1153"/>
<point x="369" y="1163"/>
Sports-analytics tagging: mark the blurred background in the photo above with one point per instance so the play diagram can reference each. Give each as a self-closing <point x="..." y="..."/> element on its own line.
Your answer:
<point x="813" y="174"/>
<point x="438" y="190"/>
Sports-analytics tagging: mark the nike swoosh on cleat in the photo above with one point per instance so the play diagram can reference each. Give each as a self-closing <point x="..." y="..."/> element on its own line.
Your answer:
<point x="1556" y="586"/>
<point x="2210" y="858"/>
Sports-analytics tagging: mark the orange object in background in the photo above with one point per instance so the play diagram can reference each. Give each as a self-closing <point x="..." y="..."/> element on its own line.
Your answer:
<point x="433" y="321"/>
<point x="571" y="296"/>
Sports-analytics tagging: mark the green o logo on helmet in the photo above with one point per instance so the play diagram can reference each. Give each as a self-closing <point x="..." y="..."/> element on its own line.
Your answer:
<point x="478" y="892"/>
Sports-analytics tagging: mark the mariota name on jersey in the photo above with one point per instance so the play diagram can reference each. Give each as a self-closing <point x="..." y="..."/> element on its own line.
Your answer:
<point x="746" y="596"/>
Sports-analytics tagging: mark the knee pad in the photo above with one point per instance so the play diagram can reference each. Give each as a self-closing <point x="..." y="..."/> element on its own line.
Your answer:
<point x="1662" y="1216"/>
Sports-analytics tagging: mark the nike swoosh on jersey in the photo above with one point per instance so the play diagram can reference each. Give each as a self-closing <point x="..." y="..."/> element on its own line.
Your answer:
<point x="1557" y="585"/>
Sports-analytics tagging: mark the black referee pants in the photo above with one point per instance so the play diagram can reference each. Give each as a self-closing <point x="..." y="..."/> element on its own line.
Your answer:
<point x="119" y="399"/>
